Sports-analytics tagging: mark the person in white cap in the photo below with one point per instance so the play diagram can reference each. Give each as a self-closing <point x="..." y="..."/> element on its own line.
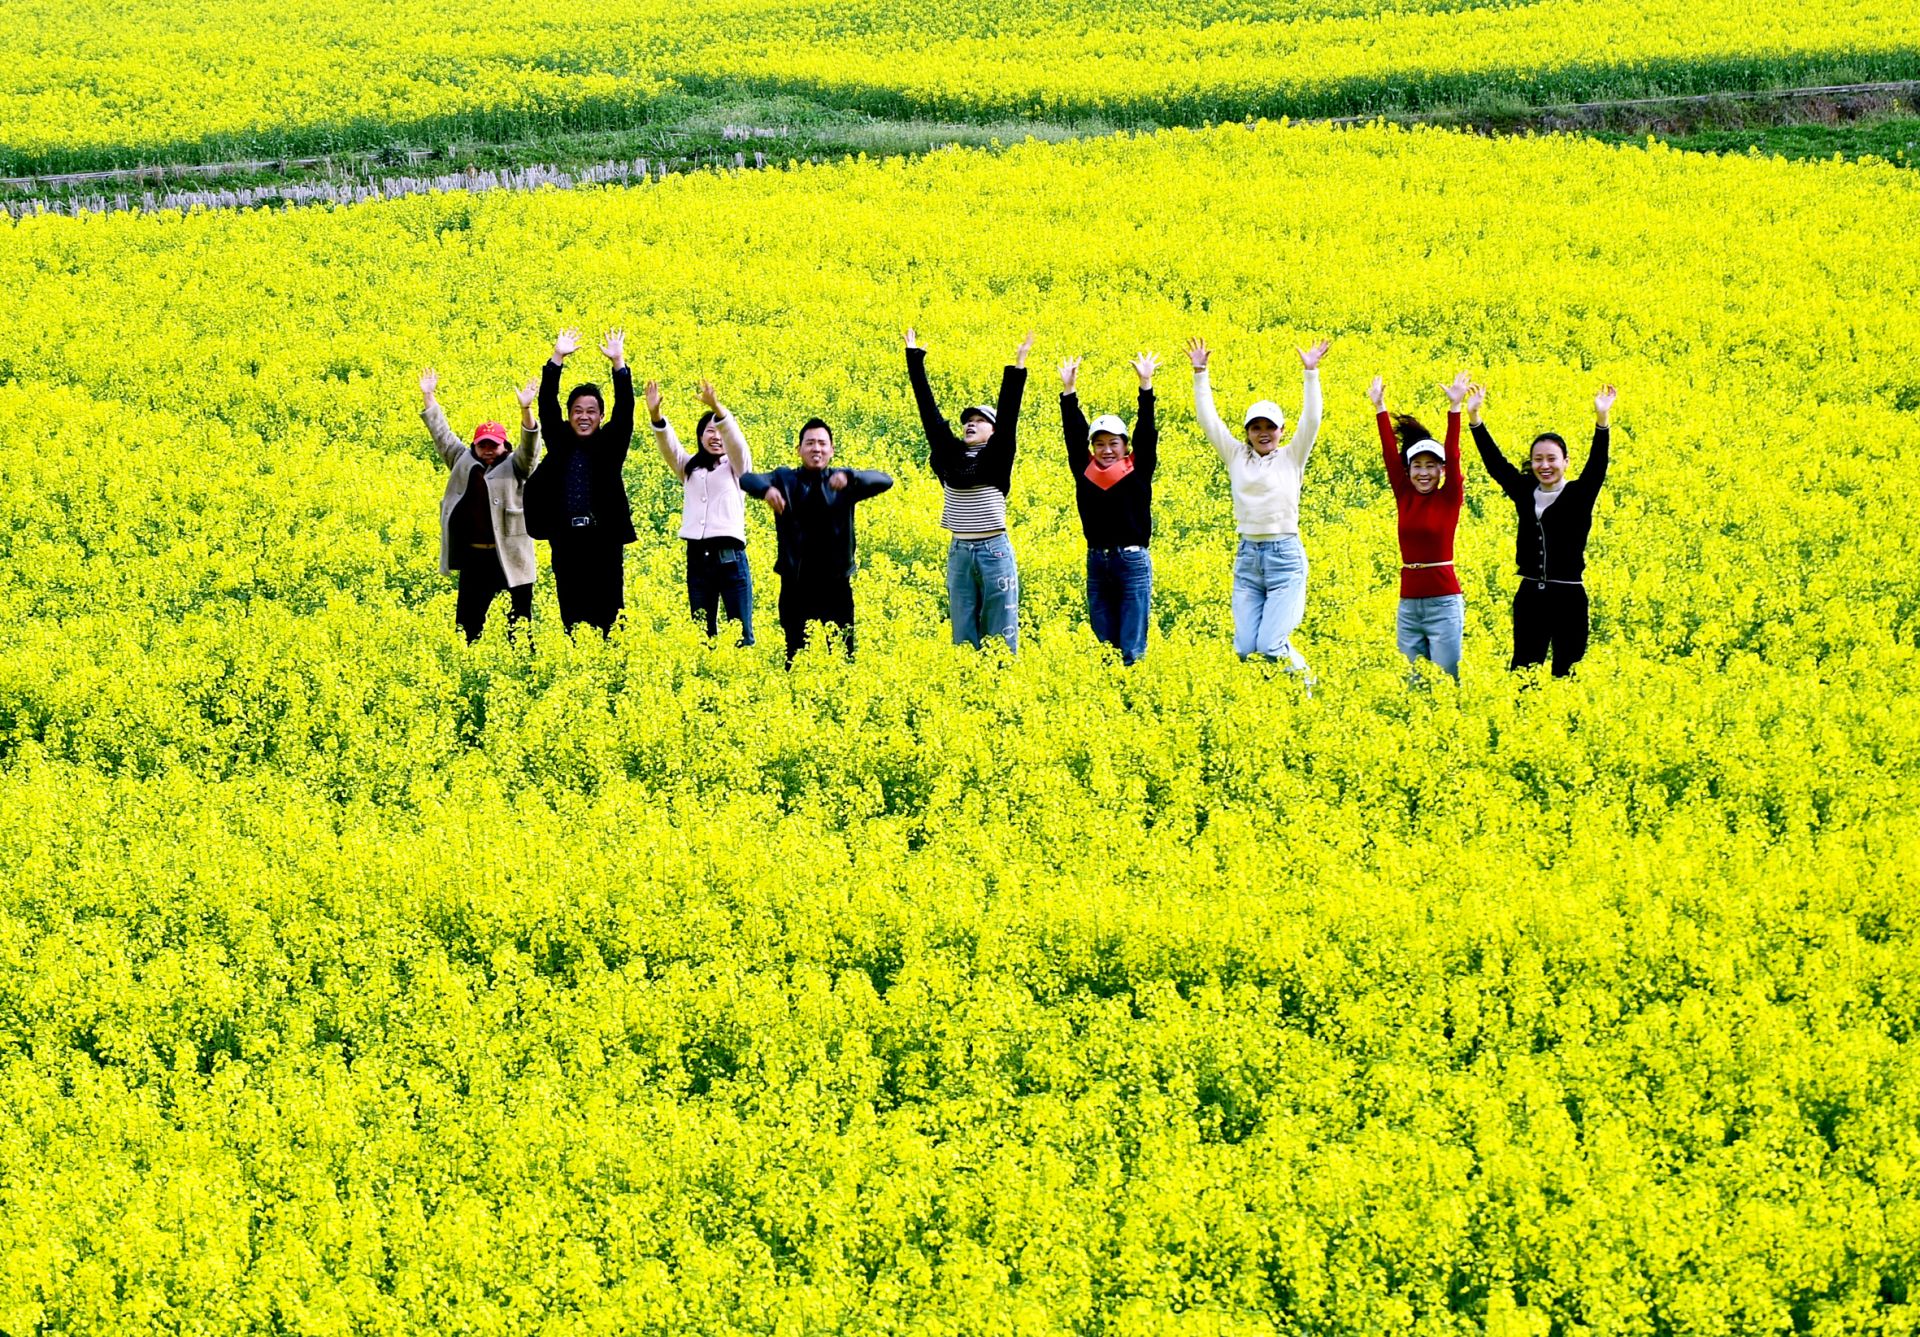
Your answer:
<point x="1428" y="486"/>
<point x="483" y="513"/>
<point x="1270" y="569"/>
<point x="1113" y="489"/>
<point x="975" y="470"/>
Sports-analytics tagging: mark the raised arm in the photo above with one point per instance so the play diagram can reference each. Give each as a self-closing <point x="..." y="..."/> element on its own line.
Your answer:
<point x="665" y="439"/>
<point x="449" y="447"/>
<point x="553" y="424"/>
<point x="1307" y="430"/>
<point x="1389" y="443"/>
<point x="529" y="452"/>
<point x="1456" y="391"/>
<point x="731" y="438"/>
<point x="1507" y="478"/>
<point x="1597" y="458"/>
<point x="618" y="428"/>
<point x="1146" y="430"/>
<point x="1073" y="422"/>
<point x="941" y="442"/>
<point x="1006" y="412"/>
<point x="1210" y="424"/>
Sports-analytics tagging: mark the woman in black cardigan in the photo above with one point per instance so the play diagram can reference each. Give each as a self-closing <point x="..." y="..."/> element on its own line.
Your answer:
<point x="1550" y="549"/>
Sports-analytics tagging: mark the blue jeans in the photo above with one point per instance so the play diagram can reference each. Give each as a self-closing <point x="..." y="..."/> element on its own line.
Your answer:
<point x="983" y="590"/>
<point x="1431" y="628"/>
<point x="718" y="574"/>
<point x="1119" y="597"/>
<point x="1269" y="599"/>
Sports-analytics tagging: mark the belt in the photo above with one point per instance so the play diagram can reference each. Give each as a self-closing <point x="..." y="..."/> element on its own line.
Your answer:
<point x="484" y="547"/>
<point x="1422" y="566"/>
<point x="1125" y="547"/>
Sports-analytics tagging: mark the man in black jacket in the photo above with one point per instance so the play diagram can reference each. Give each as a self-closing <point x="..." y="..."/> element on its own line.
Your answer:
<point x="813" y="523"/>
<point x="577" y="498"/>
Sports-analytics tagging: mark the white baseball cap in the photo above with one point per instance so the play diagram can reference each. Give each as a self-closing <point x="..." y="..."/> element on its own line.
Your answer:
<point x="1267" y="409"/>
<point x="1106" y="422"/>
<point x="1427" y="446"/>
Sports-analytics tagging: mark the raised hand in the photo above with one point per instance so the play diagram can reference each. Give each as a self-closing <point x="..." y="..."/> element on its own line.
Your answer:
<point x="776" y="501"/>
<point x="429" y="382"/>
<point x="1603" y="403"/>
<point x="1310" y="357"/>
<point x="1476" y="396"/>
<point x="564" y="343"/>
<point x="1197" y="353"/>
<point x="527" y="393"/>
<point x="709" y="396"/>
<point x="614" y="347"/>
<point x="837" y="480"/>
<point x="1144" y="366"/>
<point x="1377" y="394"/>
<point x="652" y="391"/>
<point x="1026" y="346"/>
<point x="1070" y="376"/>
<point x="1456" y="390"/>
<point x="913" y="340"/>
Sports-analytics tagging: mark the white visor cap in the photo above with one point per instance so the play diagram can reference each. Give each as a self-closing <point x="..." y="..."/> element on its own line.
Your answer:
<point x="1106" y="422"/>
<point x="1426" y="446"/>
<point x="1269" y="410"/>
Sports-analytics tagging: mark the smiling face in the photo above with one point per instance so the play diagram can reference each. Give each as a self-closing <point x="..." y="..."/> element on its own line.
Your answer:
<point x="585" y="411"/>
<point x="1263" y="434"/>
<point x="711" y="441"/>
<point x="816" y="447"/>
<point x="1549" y="463"/>
<point x="975" y="430"/>
<point x="1424" y="472"/>
<point x="1108" y="448"/>
<point x="489" y="452"/>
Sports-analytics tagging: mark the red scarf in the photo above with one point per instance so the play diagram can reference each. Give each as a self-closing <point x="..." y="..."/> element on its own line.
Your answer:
<point x="1104" y="478"/>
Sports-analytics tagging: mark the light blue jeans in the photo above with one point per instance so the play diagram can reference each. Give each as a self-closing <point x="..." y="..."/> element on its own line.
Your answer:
<point x="1269" y="599"/>
<point x="983" y="590"/>
<point x="1431" y="629"/>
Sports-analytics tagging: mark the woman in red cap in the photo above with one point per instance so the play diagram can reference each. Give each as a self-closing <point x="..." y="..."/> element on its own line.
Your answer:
<point x="483" y="514"/>
<point x="1428" y="485"/>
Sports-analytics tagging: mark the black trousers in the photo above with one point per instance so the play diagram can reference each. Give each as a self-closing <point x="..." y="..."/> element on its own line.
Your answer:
<point x="589" y="580"/>
<point x="1549" y="618"/>
<point x="717" y="573"/>
<point x="482" y="580"/>
<point x="803" y="602"/>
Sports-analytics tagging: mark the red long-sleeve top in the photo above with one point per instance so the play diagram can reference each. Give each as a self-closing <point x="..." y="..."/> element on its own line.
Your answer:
<point x="1427" y="520"/>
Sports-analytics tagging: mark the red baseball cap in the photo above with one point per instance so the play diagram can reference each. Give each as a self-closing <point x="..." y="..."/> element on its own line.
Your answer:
<point x="490" y="431"/>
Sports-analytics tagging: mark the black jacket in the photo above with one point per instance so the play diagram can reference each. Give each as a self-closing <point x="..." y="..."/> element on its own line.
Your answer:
<point x="815" y="532"/>
<point x="606" y="452"/>
<point x="991" y="465"/>
<point x="1122" y="515"/>
<point x="1552" y="546"/>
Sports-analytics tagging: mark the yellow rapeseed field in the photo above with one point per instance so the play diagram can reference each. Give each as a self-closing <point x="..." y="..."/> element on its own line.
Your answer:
<point x="353" y="980"/>
<point x="87" y="83"/>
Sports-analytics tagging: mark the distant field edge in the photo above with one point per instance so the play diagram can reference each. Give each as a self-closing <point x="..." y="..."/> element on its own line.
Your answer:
<point x="1494" y="94"/>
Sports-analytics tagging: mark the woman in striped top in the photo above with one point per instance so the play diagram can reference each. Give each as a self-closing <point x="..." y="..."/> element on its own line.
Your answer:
<point x="1428" y="487"/>
<point x="975" y="469"/>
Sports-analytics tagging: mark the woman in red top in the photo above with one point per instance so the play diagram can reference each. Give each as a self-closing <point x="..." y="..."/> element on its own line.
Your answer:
<point x="1425" y="475"/>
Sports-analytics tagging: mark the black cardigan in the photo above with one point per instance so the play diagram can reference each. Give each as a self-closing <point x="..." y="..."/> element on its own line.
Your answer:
<point x="991" y="465"/>
<point x="606" y="453"/>
<point x="1122" y="515"/>
<point x="1553" y="545"/>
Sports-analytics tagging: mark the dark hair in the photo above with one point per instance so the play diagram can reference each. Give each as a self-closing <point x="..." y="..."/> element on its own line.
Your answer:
<point x="586" y="388"/>
<point x="1409" y="429"/>
<point x="809" y="425"/>
<point x="1554" y="437"/>
<point x="702" y="457"/>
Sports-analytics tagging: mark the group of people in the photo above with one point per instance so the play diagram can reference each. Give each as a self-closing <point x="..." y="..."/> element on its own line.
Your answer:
<point x="498" y="501"/>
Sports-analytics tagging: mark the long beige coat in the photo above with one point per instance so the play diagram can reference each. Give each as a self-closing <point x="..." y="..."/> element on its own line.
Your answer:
<point x="506" y="489"/>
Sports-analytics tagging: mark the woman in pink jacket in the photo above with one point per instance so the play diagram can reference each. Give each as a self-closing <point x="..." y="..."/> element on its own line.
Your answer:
<point x="713" y="510"/>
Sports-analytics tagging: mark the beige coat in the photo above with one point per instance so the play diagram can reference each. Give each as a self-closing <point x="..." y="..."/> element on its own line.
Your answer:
<point x="506" y="489"/>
